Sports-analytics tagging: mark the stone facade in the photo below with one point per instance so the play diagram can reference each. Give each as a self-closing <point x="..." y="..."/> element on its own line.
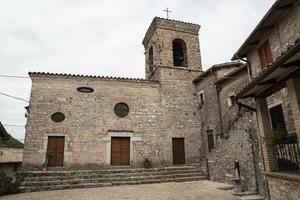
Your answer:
<point x="210" y="110"/>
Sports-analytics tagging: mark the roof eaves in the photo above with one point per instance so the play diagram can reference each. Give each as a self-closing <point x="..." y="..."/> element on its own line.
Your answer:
<point x="231" y="74"/>
<point x="259" y="26"/>
<point x="216" y="67"/>
<point x="47" y="74"/>
<point x="282" y="58"/>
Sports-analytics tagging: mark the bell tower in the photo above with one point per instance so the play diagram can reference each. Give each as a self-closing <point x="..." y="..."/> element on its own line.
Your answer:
<point x="172" y="44"/>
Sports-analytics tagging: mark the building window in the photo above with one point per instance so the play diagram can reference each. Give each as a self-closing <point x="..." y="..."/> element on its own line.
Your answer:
<point x="200" y="96"/>
<point x="179" y="53"/>
<point x="150" y="59"/>
<point x="265" y="54"/>
<point x="277" y="117"/>
<point x="230" y="101"/>
<point x="121" y="109"/>
<point x="58" y="117"/>
<point x="210" y="140"/>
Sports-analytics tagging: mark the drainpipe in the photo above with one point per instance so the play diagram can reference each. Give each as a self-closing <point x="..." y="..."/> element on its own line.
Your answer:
<point x="219" y="104"/>
<point x="236" y="57"/>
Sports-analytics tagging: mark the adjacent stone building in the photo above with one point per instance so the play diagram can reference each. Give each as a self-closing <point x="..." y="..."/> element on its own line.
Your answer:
<point x="272" y="53"/>
<point x="11" y="152"/>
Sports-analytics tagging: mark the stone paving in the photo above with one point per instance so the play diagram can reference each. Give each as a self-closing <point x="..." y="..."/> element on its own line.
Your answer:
<point x="200" y="190"/>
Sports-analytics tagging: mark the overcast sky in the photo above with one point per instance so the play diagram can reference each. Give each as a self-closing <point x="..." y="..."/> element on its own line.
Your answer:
<point x="104" y="37"/>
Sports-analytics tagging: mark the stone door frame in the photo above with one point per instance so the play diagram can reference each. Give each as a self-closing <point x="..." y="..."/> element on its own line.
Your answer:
<point x="132" y="139"/>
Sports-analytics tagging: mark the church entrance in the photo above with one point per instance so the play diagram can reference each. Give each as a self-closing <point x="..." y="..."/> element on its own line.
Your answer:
<point x="55" y="151"/>
<point x="178" y="151"/>
<point x="120" y="151"/>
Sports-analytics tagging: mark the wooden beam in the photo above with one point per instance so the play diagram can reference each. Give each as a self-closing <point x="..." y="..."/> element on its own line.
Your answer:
<point x="285" y="6"/>
<point x="291" y="64"/>
<point x="271" y="81"/>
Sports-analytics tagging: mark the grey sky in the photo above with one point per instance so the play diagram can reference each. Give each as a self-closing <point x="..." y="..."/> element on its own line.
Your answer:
<point x="103" y="37"/>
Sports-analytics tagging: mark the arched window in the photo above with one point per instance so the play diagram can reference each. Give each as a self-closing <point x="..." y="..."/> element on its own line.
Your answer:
<point x="179" y="53"/>
<point x="150" y="59"/>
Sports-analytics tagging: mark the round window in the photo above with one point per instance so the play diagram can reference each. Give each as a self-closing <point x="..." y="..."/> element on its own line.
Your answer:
<point x="58" y="117"/>
<point x="121" y="109"/>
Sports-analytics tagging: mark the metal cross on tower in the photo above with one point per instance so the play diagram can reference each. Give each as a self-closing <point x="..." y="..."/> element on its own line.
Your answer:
<point x="167" y="11"/>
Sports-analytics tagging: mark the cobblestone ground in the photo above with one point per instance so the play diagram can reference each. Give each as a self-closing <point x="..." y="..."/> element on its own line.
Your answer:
<point x="205" y="190"/>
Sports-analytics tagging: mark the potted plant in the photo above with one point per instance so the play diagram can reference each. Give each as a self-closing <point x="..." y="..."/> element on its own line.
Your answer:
<point x="276" y="138"/>
<point x="147" y="163"/>
<point x="48" y="155"/>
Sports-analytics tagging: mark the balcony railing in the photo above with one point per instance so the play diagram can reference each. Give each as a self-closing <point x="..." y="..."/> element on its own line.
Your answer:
<point x="288" y="154"/>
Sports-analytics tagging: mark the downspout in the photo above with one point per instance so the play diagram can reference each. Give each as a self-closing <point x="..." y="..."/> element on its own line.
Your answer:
<point x="219" y="105"/>
<point x="248" y="67"/>
<point x="236" y="57"/>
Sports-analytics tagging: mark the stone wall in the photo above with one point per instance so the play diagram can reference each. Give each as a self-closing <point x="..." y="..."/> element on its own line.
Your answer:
<point x="11" y="155"/>
<point x="158" y="112"/>
<point x="240" y="144"/>
<point x="10" y="160"/>
<point x="283" y="188"/>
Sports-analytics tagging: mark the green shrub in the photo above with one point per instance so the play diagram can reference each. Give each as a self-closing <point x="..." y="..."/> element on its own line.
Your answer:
<point x="8" y="185"/>
<point x="277" y="136"/>
<point x="147" y="163"/>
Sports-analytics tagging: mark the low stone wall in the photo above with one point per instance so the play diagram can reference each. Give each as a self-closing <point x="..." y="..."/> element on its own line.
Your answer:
<point x="283" y="186"/>
<point x="8" y="155"/>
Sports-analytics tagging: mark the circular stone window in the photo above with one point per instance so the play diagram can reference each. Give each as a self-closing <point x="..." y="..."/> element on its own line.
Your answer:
<point x="58" y="117"/>
<point x="121" y="109"/>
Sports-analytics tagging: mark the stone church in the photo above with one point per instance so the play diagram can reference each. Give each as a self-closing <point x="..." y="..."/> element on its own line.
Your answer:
<point x="87" y="121"/>
<point x="221" y="119"/>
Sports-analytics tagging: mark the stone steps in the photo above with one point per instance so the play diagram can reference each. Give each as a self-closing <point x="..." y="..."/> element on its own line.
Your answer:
<point x="52" y="180"/>
<point x="249" y="196"/>
<point x="104" y="175"/>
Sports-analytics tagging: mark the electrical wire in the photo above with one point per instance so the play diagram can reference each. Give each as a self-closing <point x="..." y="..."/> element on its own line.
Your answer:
<point x="18" y="98"/>
<point x="11" y="76"/>
<point x="14" y="125"/>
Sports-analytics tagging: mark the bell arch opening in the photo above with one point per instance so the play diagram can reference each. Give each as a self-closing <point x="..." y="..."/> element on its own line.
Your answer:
<point x="150" y="59"/>
<point x="179" y="53"/>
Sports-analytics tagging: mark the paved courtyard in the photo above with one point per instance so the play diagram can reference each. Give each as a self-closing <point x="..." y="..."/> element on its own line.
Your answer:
<point x="205" y="190"/>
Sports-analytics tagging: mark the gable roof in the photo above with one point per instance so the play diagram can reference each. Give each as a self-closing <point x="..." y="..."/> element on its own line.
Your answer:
<point x="279" y="9"/>
<point x="215" y="68"/>
<point x="231" y="74"/>
<point x="3" y="132"/>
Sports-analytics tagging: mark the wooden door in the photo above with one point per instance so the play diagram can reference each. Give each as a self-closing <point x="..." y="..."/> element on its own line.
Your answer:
<point x="55" y="150"/>
<point x="178" y="151"/>
<point x="120" y="151"/>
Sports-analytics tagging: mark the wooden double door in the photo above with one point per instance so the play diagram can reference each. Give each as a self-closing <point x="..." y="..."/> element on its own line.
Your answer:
<point x="55" y="151"/>
<point x="178" y="151"/>
<point x="120" y="151"/>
